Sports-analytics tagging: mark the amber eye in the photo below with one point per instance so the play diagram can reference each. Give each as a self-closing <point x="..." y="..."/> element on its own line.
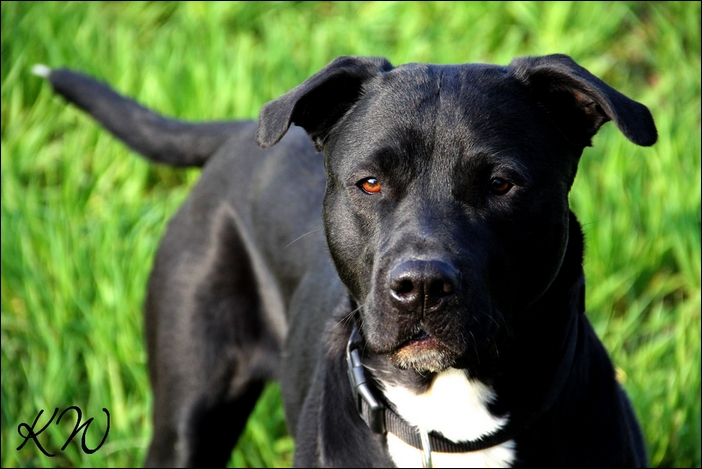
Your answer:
<point x="370" y="185"/>
<point x="499" y="186"/>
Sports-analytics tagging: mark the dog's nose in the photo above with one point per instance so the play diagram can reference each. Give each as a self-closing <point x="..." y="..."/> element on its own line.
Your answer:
<point x="417" y="283"/>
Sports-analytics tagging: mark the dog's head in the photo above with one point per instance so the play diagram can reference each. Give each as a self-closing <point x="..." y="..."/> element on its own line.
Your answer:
<point x="446" y="207"/>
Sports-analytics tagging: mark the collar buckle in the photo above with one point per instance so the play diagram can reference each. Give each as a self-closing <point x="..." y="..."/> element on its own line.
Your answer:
<point x="369" y="408"/>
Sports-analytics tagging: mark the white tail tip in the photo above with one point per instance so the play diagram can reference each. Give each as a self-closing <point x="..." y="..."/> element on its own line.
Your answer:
<point x="41" y="70"/>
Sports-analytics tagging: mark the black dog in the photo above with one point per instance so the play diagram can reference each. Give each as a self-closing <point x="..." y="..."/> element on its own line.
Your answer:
<point x="418" y="288"/>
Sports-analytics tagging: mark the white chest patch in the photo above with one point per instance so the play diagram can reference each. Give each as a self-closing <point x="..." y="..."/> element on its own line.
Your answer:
<point x="457" y="407"/>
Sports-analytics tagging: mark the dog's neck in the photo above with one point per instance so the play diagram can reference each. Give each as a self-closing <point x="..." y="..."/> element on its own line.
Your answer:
<point x="542" y="350"/>
<point x="457" y="408"/>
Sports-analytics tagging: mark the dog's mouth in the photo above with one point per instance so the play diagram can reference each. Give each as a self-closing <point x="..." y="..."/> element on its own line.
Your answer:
<point x="422" y="352"/>
<point x="419" y="342"/>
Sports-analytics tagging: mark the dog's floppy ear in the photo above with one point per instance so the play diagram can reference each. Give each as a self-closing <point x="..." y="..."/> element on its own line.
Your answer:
<point x="318" y="103"/>
<point x="579" y="102"/>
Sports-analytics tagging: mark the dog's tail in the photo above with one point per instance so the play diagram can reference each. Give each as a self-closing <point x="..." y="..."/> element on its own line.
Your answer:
<point x="159" y="139"/>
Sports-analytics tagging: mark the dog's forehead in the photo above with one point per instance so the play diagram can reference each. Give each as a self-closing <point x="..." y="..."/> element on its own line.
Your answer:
<point x="430" y="73"/>
<point x="447" y="85"/>
<point x="445" y="109"/>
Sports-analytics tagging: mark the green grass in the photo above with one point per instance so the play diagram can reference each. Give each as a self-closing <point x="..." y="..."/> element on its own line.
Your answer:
<point x="82" y="216"/>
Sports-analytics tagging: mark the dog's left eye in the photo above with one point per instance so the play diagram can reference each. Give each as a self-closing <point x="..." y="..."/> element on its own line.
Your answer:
<point x="499" y="186"/>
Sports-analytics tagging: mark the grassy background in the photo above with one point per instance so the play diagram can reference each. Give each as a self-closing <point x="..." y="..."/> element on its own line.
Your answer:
<point x="81" y="216"/>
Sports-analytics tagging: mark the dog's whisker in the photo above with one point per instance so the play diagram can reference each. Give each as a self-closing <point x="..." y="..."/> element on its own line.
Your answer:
<point x="502" y="317"/>
<point x="475" y="346"/>
<point x="376" y="370"/>
<point x="348" y="316"/>
<point x="300" y="237"/>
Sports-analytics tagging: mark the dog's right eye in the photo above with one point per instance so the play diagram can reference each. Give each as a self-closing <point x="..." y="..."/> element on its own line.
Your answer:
<point x="369" y="185"/>
<point x="499" y="186"/>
